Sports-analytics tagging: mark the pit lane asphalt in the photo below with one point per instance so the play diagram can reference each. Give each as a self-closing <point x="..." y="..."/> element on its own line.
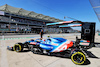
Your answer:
<point x="28" y="59"/>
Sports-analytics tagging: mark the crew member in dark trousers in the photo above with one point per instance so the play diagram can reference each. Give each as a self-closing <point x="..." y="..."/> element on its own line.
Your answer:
<point x="41" y="34"/>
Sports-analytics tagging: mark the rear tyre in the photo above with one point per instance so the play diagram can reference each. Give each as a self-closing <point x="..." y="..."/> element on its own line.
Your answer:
<point x="78" y="58"/>
<point x="18" y="47"/>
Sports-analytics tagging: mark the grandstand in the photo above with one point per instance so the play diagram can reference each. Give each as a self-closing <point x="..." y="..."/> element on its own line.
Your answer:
<point x="19" y="20"/>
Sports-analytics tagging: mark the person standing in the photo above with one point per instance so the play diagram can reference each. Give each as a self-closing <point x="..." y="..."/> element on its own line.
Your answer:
<point x="41" y="34"/>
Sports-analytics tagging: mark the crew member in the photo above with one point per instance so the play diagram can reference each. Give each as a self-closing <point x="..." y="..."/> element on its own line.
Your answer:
<point x="41" y="34"/>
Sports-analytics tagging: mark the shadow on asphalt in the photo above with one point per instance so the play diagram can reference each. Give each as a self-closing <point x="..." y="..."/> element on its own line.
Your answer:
<point x="20" y="51"/>
<point x="91" y="55"/>
<point x="87" y="62"/>
<point x="24" y="51"/>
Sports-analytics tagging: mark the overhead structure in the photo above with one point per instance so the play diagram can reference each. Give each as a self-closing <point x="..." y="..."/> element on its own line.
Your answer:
<point x="56" y="23"/>
<point x="66" y="24"/>
<point x="96" y="6"/>
<point x="71" y="25"/>
<point x="23" y="12"/>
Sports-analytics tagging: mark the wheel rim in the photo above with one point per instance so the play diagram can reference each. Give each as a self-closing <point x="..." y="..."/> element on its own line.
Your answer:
<point x="78" y="58"/>
<point x="34" y="50"/>
<point x="31" y="48"/>
<point x="17" y="48"/>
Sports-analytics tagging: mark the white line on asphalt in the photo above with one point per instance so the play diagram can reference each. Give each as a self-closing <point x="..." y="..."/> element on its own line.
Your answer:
<point x="4" y="62"/>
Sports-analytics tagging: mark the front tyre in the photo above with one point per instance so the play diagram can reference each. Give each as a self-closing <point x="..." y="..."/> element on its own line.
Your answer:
<point x="78" y="58"/>
<point x="17" y="47"/>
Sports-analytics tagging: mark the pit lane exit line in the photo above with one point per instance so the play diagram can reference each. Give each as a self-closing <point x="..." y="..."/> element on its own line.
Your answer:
<point x="4" y="61"/>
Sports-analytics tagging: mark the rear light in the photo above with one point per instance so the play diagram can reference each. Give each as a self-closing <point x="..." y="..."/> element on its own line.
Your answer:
<point x="88" y="41"/>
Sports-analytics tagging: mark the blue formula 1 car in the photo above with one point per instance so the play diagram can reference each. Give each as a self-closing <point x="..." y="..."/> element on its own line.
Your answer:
<point x="55" y="46"/>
